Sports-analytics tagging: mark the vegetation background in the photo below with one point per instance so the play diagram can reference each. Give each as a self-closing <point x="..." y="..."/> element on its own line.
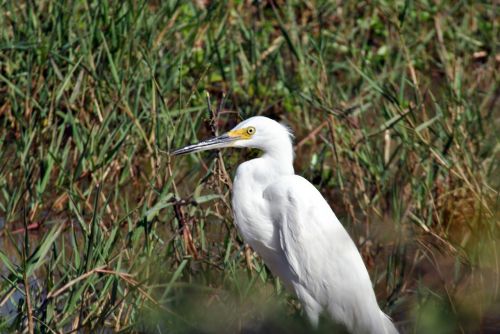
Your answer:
<point x="395" y="108"/>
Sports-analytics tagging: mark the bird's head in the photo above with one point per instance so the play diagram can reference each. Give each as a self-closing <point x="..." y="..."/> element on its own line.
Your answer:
<point x="256" y="132"/>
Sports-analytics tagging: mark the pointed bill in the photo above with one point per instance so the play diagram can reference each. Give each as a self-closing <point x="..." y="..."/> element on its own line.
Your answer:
<point x="225" y="140"/>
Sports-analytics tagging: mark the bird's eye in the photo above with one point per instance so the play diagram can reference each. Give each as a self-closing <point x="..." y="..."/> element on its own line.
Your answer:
<point x="251" y="130"/>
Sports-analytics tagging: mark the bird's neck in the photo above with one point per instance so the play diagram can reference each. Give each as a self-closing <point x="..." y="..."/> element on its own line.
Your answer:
<point x="279" y="158"/>
<point x="276" y="161"/>
<point x="276" y="166"/>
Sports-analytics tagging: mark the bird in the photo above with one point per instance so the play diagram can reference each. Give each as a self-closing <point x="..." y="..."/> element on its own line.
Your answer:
<point x="291" y="226"/>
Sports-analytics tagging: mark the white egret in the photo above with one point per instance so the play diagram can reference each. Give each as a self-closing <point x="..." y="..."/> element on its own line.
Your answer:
<point x="286" y="220"/>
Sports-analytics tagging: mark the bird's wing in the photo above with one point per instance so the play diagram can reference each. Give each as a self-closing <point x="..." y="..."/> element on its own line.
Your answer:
<point x="323" y="260"/>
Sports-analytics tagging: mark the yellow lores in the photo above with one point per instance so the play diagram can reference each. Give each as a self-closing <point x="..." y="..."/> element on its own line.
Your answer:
<point x="245" y="133"/>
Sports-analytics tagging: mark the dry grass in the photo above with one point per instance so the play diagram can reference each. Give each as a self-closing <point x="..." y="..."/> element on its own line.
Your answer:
<point x="395" y="110"/>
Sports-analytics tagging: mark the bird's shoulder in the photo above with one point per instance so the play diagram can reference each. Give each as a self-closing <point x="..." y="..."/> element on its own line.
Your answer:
<point x="298" y="205"/>
<point x="297" y="191"/>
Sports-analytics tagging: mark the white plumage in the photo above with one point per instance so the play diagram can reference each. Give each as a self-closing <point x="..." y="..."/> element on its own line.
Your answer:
<point x="290" y="225"/>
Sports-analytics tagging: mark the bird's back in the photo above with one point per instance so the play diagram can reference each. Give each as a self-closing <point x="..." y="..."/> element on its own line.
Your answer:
<point x="328" y="273"/>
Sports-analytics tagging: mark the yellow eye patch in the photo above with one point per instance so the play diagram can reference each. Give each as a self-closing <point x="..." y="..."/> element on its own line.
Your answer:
<point x="245" y="133"/>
